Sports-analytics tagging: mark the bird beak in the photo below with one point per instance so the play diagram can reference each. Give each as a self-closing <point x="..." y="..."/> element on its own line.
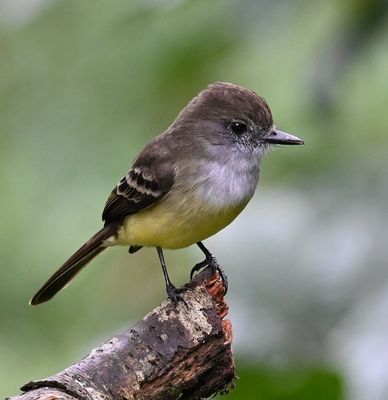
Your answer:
<point x="280" y="137"/>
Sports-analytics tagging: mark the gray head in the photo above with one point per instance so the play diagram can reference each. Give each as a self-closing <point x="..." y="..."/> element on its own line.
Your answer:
<point x="225" y="112"/>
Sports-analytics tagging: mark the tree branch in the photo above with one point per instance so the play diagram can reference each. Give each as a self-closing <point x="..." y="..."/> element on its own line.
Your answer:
<point x="180" y="351"/>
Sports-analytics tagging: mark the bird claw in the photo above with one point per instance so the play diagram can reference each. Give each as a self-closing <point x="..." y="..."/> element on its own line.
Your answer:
<point x="175" y="294"/>
<point x="211" y="262"/>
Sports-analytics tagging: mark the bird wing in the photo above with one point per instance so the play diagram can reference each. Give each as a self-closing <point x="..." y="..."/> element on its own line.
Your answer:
<point x="138" y="189"/>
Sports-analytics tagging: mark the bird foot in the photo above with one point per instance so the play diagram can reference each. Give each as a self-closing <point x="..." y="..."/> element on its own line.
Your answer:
<point x="211" y="262"/>
<point x="175" y="294"/>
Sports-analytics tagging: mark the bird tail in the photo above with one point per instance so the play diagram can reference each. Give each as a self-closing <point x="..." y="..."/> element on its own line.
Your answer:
<point x="73" y="265"/>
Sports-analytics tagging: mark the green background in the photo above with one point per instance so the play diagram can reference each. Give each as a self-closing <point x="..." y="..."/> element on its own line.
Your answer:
<point x="84" y="85"/>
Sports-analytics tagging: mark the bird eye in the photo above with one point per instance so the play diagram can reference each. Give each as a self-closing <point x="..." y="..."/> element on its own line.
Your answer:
<point x="238" y="128"/>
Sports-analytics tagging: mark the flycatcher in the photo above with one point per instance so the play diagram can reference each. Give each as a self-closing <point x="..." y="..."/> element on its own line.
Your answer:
<point x="186" y="184"/>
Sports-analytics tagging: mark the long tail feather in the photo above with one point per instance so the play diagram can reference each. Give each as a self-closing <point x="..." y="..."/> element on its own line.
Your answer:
<point x="73" y="265"/>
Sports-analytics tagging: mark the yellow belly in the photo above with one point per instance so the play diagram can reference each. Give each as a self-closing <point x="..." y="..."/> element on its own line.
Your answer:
<point x="174" y="226"/>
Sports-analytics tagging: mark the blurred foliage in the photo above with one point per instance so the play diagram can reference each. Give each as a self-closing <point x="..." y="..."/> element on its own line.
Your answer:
<point x="83" y="86"/>
<point x="296" y="384"/>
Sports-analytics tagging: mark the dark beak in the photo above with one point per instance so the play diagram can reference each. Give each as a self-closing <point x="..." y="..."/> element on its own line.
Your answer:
<point x="280" y="137"/>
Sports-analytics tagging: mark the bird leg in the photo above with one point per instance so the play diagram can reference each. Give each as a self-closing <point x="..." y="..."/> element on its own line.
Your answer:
<point x="173" y="293"/>
<point x="210" y="261"/>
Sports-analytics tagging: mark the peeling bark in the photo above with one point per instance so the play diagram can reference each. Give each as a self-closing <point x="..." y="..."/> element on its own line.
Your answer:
<point x="180" y="351"/>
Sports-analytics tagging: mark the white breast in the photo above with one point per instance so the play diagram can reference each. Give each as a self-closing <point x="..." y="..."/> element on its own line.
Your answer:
<point x="228" y="182"/>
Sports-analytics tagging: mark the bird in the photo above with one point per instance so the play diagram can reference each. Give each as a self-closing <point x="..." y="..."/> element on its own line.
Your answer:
<point x="186" y="184"/>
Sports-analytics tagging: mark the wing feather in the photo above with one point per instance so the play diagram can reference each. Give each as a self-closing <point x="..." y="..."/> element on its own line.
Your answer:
<point x="137" y="190"/>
